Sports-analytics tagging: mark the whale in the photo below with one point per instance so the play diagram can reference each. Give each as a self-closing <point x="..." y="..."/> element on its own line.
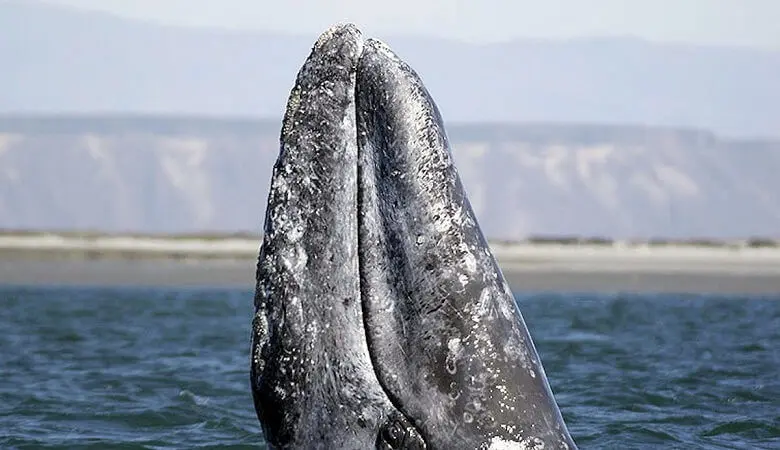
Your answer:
<point x="382" y="319"/>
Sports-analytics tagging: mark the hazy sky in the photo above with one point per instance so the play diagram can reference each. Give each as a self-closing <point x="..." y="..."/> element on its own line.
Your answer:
<point x="730" y="22"/>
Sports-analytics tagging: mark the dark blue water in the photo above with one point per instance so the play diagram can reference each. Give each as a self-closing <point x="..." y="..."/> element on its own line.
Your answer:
<point x="166" y="368"/>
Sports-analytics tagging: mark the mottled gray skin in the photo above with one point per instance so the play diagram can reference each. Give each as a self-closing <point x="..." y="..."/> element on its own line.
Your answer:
<point x="312" y="379"/>
<point x="446" y="338"/>
<point x="382" y="319"/>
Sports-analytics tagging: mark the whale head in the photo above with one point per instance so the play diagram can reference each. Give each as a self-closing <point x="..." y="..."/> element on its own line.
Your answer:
<point x="382" y="318"/>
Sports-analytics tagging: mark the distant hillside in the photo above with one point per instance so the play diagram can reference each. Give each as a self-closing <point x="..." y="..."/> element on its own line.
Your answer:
<point x="56" y="59"/>
<point x="153" y="174"/>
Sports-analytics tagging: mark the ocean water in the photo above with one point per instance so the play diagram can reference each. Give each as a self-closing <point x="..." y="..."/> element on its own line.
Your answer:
<point x="131" y="368"/>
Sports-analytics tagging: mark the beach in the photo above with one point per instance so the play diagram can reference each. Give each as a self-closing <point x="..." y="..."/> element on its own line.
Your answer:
<point x="61" y="259"/>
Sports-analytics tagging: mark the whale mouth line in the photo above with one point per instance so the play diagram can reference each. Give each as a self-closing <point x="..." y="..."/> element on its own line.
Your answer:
<point x="403" y="428"/>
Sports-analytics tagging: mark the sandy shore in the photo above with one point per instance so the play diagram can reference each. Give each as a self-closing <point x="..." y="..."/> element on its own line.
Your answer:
<point x="609" y="257"/>
<point x="145" y="261"/>
<point x="240" y="274"/>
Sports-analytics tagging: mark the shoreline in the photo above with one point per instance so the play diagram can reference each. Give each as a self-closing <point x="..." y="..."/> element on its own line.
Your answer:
<point x="235" y="274"/>
<point x="86" y="246"/>
<point x="229" y="261"/>
<point x="240" y="274"/>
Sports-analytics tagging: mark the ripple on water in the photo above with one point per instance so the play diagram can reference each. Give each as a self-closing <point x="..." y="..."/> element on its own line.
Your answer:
<point x="161" y="369"/>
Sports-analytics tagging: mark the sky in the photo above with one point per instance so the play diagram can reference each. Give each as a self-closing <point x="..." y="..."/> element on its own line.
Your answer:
<point x="752" y="23"/>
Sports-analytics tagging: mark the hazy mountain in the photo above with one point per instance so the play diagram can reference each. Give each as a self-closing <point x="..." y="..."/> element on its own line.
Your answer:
<point x="56" y="59"/>
<point x="175" y="175"/>
<point x="140" y="173"/>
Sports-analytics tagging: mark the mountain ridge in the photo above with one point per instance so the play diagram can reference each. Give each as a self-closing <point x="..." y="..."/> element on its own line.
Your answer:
<point x="109" y="64"/>
<point x="181" y="175"/>
<point x="121" y="125"/>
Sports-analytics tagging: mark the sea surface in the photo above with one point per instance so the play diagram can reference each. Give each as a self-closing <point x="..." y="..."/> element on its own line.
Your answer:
<point x="134" y="368"/>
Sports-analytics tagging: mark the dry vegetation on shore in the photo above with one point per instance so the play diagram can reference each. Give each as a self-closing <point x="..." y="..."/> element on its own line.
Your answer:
<point x="74" y="244"/>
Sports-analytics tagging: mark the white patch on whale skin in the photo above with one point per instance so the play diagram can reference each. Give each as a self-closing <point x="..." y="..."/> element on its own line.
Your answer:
<point x="469" y="261"/>
<point x="295" y="259"/>
<point x="497" y="443"/>
<point x="279" y="184"/>
<point x="295" y="233"/>
<point x="506" y="309"/>
<point x="454" y="348"/>
<point x="482" y="307"/>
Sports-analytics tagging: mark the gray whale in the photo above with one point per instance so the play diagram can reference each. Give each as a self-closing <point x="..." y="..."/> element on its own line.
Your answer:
<point x="382" y="318"/>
